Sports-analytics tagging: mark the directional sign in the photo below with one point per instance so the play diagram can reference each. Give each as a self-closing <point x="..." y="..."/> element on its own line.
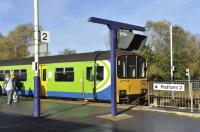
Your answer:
<point x="169" y="87"/>
<point x="45" y="36"/>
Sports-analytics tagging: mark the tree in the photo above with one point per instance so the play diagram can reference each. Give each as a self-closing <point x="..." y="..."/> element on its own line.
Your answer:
<point x="15" y="45"/>
<point x="1" y="35"/>
<point x="185" y="51"/>
<point x="22" y="37"/>
<point x="6" y="49"/>
<point x="67" y="51"/>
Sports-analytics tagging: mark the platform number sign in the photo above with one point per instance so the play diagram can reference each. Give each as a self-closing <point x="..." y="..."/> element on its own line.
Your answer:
<point x="45" y="36"/>
<point x="169" y="87"/>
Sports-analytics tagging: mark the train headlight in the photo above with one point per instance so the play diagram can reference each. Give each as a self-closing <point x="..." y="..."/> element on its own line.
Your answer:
<point x="144" y="91"/>
<point x="122" y="93"/>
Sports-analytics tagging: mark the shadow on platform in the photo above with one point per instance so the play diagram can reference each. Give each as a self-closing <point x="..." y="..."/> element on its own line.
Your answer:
<point x="21" y="123"/>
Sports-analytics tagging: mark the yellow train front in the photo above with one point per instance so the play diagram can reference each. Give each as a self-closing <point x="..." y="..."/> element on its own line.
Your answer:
<point x="131" y="77"/>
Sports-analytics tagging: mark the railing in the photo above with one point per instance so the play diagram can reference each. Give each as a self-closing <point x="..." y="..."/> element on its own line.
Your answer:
<point x="187" y="99"/>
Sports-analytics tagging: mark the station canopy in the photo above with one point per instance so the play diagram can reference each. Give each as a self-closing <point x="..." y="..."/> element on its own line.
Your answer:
<point x="130" y="40"/>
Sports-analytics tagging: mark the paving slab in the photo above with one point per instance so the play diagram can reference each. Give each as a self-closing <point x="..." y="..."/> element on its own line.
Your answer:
<point x="115" y="118"/>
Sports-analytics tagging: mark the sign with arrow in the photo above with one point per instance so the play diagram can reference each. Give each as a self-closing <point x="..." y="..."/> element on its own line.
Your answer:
<point x="169" y="87"/>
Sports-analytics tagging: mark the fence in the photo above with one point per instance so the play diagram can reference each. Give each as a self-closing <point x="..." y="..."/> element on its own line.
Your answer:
<point x="188" y="99"/>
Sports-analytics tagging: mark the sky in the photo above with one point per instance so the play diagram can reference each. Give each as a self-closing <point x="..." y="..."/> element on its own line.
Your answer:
<point x="66" y="20"/>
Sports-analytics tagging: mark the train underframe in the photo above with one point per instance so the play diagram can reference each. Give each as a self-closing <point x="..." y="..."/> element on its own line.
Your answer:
<point x="136" y="98"/>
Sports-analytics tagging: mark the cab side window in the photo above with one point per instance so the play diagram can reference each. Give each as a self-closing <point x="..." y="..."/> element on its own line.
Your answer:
<point x="141" y="67"/>
<point x="100" y="73"/>
<point x="121" y="66"/>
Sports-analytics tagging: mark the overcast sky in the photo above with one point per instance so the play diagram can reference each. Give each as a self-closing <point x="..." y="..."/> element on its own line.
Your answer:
<point x="67" y="19"/>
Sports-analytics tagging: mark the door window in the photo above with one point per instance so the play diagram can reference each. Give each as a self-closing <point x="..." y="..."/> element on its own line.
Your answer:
<point x="89" y="73"/>
<point x="44" y="75"/>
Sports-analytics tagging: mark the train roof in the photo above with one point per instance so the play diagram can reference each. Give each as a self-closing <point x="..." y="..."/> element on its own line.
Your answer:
<point x="90" y="56"/>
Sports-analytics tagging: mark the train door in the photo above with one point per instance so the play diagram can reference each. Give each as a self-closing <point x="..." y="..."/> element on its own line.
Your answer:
<point x="88" y="83"/>
<point x="43" y="72"/>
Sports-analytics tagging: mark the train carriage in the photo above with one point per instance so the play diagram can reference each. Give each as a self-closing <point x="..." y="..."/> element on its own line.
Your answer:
<point x="82" y="76"/>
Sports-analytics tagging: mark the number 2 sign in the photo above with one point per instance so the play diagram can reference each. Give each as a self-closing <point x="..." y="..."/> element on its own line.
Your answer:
<point x="45" y="36"/>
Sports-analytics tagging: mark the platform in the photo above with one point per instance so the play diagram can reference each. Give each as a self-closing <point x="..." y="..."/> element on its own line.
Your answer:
<point x="61" y="115"/>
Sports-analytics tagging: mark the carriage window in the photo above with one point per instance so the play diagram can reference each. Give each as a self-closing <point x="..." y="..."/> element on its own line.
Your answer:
<point x="21" y="74"/>
<point x="69" y="74"/>
<point x="131" y="66"/>
<point x="1" y="75"/>
<point x="100" y="73"/>
<point x="64" y="74"/>
<point x="59" y="74"/>
<point x="141" y="66"/>
<point x="16" y="73"/>
<point x="7" y="71"/>
<point x="89" y="73"/>
<point x="121" y="66"/>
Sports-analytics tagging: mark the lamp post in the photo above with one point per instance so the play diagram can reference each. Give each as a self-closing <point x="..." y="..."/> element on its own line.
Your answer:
<point x="171" y="59"/>
<point x="171" y="54"/>
<point x="171" y="50"/>
<point x="36" y="60"/>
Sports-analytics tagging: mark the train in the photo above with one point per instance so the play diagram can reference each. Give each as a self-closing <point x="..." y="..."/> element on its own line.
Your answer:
<point x="82" y="75"/>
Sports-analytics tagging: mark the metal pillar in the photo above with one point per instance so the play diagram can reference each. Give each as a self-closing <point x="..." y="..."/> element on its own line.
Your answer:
<point x="113" y="43"/>
<point x="37" y="96"/>
<point x="36" y="77"/>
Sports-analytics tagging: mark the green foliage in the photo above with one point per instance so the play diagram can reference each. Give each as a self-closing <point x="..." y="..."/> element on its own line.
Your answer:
<point x="185" y="51"/>
<point x="67" y="51"/>
<point x="15" y="44"/>
<point x="22" y="37"/>
<point x="6" y="48"/>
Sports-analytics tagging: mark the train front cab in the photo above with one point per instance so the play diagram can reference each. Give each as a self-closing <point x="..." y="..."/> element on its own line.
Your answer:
<point x="131" y="77"/>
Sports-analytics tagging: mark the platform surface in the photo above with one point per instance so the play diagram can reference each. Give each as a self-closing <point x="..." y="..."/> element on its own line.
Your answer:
<point x="64" y="116"/>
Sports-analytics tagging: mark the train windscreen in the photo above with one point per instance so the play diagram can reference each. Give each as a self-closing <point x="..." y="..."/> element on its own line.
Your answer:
<point x="131" y="66"/>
